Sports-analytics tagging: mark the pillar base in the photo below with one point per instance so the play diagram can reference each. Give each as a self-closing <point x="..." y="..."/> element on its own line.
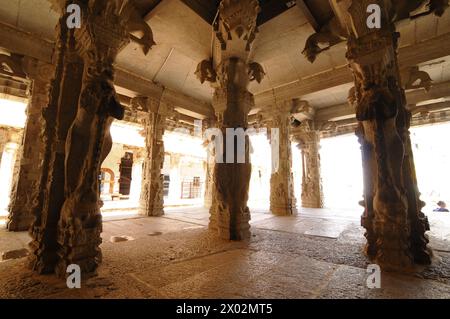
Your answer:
<point x="79" y="237"/>
<point x="19" y="223"/>
<point x="156" y="212"/>
<point x="284" y="210"/>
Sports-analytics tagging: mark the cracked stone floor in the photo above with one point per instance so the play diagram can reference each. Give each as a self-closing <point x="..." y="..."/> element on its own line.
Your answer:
<point x="317" y="254"/>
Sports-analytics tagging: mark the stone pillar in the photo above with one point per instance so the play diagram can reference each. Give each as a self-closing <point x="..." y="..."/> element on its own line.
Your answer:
<point x="27" y="185"/>
<point x="136" y="182"/>
<point x="9" y="155"/>
<point x="282" y="198"/>
<point x="210" y="162"/>
<point x="58" y="116"/>
<point x="76" y="136"/>
<point x="175" y="180"/>
<point x="232" y="179"/>
<point x="395" y="226"/>
<point x="312" y="193"/>
<point x="152" y="193"/>
<point x="230" y="71"/>
<point x="3" y="140"/>
<point x="209" y="180"/>
<point x="89" y="140"/>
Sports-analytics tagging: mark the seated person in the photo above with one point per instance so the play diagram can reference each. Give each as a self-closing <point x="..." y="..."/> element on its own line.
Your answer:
<point x="442" y="207"/>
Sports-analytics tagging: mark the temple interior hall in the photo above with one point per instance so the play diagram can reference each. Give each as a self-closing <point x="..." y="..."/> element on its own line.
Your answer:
<point x="242" y="149"/>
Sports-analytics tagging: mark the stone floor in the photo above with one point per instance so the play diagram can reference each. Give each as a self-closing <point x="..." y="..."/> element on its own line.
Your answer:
<point x="314" y="255"/>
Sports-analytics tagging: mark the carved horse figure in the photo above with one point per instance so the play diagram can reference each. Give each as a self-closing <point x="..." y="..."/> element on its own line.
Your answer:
<point x="205" y="72"/>
<point x="330" y="34"/>
<point x="412" y="75"/>
<point x="256" y="72"/>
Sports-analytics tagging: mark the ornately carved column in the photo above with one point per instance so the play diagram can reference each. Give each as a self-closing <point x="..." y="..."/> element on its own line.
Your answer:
<point x="26" y="188"/>
<point x="210" y="162"/>
<point x="230" y="72"/>
<point x="76" y="135"/>
<point x="58" y="116"/>
<point x="152" y="193"/>
<point x="89" y="140"/>
<point x="394" y="223"/>
<point x="282" y="198"/>
<point x="312" y="192"/>
<point x="175" y="180"/>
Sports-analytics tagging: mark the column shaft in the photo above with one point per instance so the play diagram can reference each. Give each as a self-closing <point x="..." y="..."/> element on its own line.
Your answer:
<point x="312" y="193"/>
<point x="282" y="198"/>
<point x="232" y="180"/>
<point x="395" y="227"/>
<point x="26" y="187"/>
<point x="58" y="116"/>
<point x="152" y="194"/>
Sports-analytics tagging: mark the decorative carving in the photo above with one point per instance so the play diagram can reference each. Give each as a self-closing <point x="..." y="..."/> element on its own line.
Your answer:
<point x="332" y="32"/>
<point x="329" y="35"/>
<point x="11" y="65"/>
<point x="412" y="74"/>
<point x="205" y="72"/>
<point x="237" y="21"/>
<point x="125" y="14"/>
<point x="139" y="104"/>
<point x="256" y="72"/>
<point x="403" y="9"/>
<point x="308" y="139"/>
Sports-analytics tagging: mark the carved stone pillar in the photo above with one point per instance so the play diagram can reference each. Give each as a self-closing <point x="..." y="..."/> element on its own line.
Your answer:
<point x="89" y="141"/>
<point x="3" y="140"/>
<point x="8" y="169"/>
<point x="175" y="181"/>
<point x="26" y="188"/>
<point x="395" y="226"/>
<point x="282" y="198"/>
<point x="152" y="193"/>
<point x="76" y="135"/>
<point x="230" y="72"/>
<point x="312" y="192"/>
<point x="232" y="179"/>
<point x="210" y="162"/>
<point x="58" y="116"/>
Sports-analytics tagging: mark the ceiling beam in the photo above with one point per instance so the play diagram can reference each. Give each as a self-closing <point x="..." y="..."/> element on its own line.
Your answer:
<point x="408" y="56"/>
<point x="413" y="97"/>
